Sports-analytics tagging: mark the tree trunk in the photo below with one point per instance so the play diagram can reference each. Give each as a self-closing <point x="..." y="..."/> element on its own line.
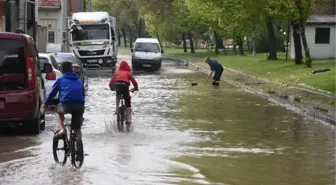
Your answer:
<point x="271" y="39"/>
<point x="124" y="35"/>
<point x="235" y="49"/>
<point x="131" y="42"/>
<point x="240" y="43"/>
<point x="192" y="49"/>
<point x="184" y="42"/>
<point x="248" y="44"/>
<point x="119" y="38"/>
<point x="158" y="38"/>
<point x="224" y="49"/>
<point x="216" y="43"/>
<point x="141" y="28"/>
<point x="130" y="37"/>
<point x="297" y="43"/>
<point x="308" y="60"/>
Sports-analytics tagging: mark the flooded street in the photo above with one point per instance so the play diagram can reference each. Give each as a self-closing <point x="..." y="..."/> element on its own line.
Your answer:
<point x="181" y="135"/>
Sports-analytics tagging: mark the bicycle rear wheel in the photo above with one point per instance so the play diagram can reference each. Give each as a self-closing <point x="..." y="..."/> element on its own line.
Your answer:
<point x="63" y="150"/>
<point x="120" y="119"/>
<point x="77" y="154"/>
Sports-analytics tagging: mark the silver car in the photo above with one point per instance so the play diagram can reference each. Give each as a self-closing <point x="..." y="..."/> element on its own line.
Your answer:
<point x="50" y="78"/>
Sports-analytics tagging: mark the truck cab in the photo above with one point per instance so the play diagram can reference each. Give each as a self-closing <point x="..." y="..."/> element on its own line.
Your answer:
<point x="92" y="37"/>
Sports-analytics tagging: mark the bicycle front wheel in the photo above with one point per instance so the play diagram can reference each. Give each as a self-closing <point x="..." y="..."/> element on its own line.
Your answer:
<point x="60" y="152"/>
<point x="77" y="154"/>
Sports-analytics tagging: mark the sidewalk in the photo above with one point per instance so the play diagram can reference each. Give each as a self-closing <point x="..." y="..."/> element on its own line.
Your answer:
<point x="313" y="103"/>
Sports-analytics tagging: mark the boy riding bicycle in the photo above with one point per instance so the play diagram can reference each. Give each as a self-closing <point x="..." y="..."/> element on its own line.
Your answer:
<point x="72" y="98"/>
<point x="120" y="82"/>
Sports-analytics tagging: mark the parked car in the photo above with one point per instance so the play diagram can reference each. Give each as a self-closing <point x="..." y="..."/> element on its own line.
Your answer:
<point x="50" y="72"/>
<point x="76" y="64"/>
<point x="147" y="53"/>
<point x="22" y="91"/>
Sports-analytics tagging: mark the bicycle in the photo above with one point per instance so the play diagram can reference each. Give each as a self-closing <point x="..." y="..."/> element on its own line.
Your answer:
<point x="121" y="113"/>
<point x="72" y="147"/>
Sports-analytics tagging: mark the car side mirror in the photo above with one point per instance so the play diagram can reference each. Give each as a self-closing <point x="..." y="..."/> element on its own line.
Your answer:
<point x="162" y="51"/>
<point x="47" y="68"/>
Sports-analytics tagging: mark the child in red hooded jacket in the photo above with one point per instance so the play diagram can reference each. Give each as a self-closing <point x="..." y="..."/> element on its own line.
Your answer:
<point x="120" y="82"/>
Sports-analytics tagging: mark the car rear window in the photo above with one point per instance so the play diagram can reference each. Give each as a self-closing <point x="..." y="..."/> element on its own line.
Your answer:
<point x="42" y="61"/>
<point x="60" y="58"/>
<point x="12" y="64"/>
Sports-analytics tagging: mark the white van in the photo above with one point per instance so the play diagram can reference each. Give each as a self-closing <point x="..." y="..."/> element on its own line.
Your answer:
<point x="147" y="53"/>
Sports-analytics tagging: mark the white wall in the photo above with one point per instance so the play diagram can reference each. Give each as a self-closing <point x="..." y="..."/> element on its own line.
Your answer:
<point x="317" y="51"/>
<point x="53" y="21"/>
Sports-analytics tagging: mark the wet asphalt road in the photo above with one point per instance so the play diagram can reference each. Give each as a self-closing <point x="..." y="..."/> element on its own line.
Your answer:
<point x="122" y="158"/>
<point x="244" y="150"/>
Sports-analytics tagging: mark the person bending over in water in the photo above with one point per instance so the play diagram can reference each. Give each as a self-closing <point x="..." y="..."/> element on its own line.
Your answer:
<point x="216" y="68"/>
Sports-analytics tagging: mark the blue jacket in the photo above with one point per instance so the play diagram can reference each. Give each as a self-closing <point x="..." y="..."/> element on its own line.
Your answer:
<point x="214" y="65"/>
<point x="70" y="88"/>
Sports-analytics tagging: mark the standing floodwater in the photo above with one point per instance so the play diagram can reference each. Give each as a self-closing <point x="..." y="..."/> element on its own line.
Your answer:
<point x="181" y="135"/>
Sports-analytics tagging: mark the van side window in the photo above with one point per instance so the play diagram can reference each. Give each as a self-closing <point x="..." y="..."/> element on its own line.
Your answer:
<point x="12" y="65"/>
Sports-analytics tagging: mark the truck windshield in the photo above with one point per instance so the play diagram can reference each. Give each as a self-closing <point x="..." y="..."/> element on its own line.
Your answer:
<point x="92" y="32"/>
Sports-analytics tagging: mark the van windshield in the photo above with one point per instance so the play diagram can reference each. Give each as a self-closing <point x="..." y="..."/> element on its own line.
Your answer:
<point x="12" y="65"/>
<point x="147" y="47"/>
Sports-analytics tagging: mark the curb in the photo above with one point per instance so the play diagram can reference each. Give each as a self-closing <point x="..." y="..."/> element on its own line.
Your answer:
<point x="269" y="97"/>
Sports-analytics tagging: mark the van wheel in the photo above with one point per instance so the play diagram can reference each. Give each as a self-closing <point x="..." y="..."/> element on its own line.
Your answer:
<point x="42" y="121"/>
<point x="33" y="126"/>
<point x="135" y="66"/>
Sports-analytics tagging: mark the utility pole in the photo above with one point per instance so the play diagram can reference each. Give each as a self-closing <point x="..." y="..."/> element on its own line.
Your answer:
<point x="89" y="5"/>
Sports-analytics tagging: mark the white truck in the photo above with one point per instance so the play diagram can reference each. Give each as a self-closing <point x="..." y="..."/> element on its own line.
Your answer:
<point x="92" y="37"/>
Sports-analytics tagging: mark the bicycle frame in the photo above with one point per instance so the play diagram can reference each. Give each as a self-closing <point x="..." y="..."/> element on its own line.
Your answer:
<point x="121" y="111"/>
<point x="69" y="134"/>
<point x="73" y="147"/>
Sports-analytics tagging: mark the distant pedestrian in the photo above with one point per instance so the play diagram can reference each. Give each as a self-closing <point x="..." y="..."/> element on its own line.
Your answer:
<point x="216" y="68"/>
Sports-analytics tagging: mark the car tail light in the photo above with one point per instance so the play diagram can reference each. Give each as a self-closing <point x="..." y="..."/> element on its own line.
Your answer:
<point x="51" y="76"/>
<point x="76" y="69"/>
<point x="31" y="73"/>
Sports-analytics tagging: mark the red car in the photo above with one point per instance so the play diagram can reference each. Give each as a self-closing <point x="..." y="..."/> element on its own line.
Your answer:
<point x="22" y="91"/>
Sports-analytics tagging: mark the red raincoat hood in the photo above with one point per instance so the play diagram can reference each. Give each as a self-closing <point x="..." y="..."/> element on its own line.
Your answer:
<point x="124" y="66"/>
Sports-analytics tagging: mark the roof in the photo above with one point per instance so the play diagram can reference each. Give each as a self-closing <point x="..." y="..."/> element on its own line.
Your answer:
<point x="11" y="35"/>
<point x="50" y="3"/>
<point x="90" y="15"/>
<point x="321" y="19"/>
<point x="152" y="40"/>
